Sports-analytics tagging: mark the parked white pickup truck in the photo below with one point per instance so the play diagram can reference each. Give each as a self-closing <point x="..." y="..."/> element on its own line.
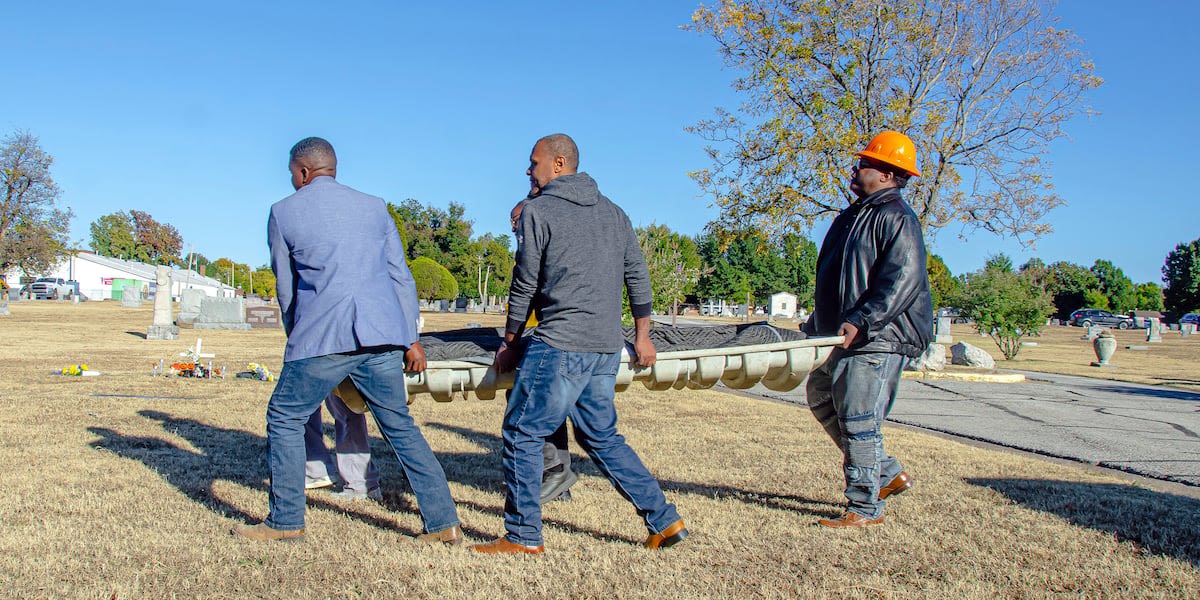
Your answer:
<point x="50" y="288"/>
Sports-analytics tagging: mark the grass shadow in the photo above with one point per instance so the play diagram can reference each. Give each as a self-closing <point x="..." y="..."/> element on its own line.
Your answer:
<point x="490" y="477"/>
<point x="220" y="454"/>
<point x="140" y="334"/>
<point x="1155" y="522"/>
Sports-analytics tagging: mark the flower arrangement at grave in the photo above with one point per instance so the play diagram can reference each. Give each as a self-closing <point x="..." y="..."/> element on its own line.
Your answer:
<point x="74" y="370"/>
<point x="190" y="365"/>
<point x="257" y="371"/>
<point x="194" y="369"/>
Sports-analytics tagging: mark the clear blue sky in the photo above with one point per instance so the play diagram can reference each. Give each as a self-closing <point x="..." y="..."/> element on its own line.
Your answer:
<point x="187" y="110"/>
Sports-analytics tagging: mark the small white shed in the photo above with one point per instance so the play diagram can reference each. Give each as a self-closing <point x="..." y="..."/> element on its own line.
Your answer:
<point x="783" y="304"/>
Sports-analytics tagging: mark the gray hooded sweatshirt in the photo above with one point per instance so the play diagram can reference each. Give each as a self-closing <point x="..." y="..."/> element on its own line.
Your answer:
<point x="577" y="251"/>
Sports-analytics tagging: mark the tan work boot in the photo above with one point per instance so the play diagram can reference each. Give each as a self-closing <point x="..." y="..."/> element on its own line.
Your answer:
<point x="451" y="536"/>
<point x="264" y="533"/>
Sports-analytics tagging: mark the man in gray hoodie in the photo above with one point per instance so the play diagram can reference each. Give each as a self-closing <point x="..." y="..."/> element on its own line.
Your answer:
<point x="578" y="252"/>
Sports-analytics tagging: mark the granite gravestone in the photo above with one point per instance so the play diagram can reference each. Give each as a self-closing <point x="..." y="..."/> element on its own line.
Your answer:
<point x="263" y="317"/>
<point x="941" y="331"/>
<point x="131" y="296"/>
<point x="221" y="313"/>
<point x="1154" y="330"/>
<point x="189" y="305"/>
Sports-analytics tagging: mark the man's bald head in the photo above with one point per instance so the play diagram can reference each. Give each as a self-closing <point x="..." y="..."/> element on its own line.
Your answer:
<point x="311" y="157"/>
<point x="561" y="144"/>
<point x="552" y="157"/>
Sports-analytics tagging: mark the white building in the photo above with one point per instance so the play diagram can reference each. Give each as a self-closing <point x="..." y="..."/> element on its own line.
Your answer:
<point x="783" y="304"/>
<point x="103" y="277"/>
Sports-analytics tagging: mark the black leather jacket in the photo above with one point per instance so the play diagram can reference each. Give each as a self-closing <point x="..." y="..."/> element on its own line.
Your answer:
<point x="880" y="281"/>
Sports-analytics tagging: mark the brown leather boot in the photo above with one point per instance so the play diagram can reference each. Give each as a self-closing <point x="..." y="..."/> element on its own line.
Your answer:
<point x="503" y="546"/>
<point x="264" y="533"/>
<point x="896" y="486"/>
<point x="674" y="533"/>
<point x="451" y="536"/>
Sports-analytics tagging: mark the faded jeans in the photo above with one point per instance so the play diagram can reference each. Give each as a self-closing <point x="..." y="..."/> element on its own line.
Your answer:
<point x="351" y="443"/>
<point x="379" y="375"/>
<point x="851" y="395"/>
<point x="550" y="385"/>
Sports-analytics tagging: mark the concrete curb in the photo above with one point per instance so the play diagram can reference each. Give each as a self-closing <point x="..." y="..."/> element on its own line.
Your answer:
<point x="959" y="376"/>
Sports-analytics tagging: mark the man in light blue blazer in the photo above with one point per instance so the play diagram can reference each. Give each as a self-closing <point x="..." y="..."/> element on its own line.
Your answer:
<point x="349" y="308"/>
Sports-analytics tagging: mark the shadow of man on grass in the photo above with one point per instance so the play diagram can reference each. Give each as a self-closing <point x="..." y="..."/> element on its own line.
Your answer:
<point x="485" y="472"/>
<point x="1158" y="523"/>
<point x="220" y="454"/>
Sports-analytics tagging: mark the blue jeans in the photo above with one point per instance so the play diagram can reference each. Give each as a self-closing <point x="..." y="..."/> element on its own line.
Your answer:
<point x="552" y="384"/>
<point x="851" y="395"/>
<point x="379" y="375"/>
<point x="351" y="442"/>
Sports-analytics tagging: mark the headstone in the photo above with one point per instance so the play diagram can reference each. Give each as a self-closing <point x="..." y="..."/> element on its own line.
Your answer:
<point x="1187" y="329"/>
<point x="162" y="328"/>
<point x="932" y="359"/>
<point x="1092" y="332"/>
<point x="1029" y="344"/>
<point x="4" y="308"/>
<point x="221" y="313"/>
<point x="1055" y="322"/>
<point x="1137" y="347"/>
<point x="444" y="305"/>
<point x="422" y="304"/>
<point x="265" y="316"/>
<point x="967" y="355"/>
<point x="941" y="331"/>
<point x="131" y="296"/>
<point x="1154" y="330"/>
<point x="189" y="305"/>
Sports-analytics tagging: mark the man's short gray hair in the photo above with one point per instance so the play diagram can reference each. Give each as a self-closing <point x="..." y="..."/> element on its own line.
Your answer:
<point x="313" y="148"/>
<point x="561" y="144"/>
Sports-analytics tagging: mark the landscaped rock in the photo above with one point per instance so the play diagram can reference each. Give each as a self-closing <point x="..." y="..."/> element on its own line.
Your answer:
<point x="932" y="359"/>
<point x="967" y="355"/>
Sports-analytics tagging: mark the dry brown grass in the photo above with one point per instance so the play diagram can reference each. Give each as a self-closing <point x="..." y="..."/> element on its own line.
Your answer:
<point x="1060" y="350"/>
<point x="125" y="486"/>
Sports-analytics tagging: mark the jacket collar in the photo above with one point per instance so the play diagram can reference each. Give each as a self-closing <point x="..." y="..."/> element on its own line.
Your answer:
<point x="880" y="197"/>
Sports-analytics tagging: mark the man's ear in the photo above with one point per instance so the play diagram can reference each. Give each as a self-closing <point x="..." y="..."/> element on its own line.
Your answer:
<point x="560" y="163"/>
<point x="304" y="172"/>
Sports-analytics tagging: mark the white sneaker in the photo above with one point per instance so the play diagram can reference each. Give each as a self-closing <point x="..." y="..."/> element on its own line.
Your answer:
<point x="313" y="483"/>
<point x="375" y="494"/>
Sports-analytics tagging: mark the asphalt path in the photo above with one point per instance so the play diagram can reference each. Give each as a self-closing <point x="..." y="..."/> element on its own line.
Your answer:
<point x="1148" y="431"/>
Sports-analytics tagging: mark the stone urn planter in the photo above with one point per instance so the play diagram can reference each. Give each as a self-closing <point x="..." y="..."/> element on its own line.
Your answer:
<point x="1104" y="345"/>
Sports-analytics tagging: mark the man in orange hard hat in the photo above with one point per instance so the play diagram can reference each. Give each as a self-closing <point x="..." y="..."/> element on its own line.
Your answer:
<point x="872" y="288"/>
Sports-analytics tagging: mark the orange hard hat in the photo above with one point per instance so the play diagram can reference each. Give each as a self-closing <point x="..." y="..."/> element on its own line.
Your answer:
<point x="895" y="149"/>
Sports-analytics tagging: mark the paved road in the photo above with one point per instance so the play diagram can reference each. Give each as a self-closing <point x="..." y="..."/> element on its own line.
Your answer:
<point x="1149" y="431"/>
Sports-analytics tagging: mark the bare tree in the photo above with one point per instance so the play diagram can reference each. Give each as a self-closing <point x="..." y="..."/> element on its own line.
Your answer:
<point x="981" y="87"/>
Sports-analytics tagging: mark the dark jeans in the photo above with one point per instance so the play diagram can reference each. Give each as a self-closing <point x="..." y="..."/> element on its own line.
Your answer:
<point x="851" y="395"/>
<point x="302" y="385"/>
<point x="550" y="385"/>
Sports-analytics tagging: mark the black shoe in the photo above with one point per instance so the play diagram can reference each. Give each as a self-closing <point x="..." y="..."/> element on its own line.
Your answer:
<point x="556" y="482"/>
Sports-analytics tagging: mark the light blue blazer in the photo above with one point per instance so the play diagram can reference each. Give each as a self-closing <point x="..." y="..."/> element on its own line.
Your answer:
<point x="340" y="274"/>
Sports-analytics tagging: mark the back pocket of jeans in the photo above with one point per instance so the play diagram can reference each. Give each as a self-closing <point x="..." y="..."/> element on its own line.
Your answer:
<point x="575" y="365"/>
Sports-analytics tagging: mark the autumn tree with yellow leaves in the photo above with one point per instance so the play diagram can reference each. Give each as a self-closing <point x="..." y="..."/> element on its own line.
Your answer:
<point x="981" y="87"/>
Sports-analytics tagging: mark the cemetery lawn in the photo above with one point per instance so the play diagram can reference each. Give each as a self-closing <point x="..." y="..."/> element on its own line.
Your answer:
<point x="125" y="486"/>
<point x="1059" y="349"/>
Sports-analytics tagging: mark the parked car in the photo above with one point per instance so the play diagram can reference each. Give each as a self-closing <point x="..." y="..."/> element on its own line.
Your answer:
<point x="954" y="314"/>
<point x="1086" y="317"/>
<point x="49" y="288"/>
<point x="1193" y="318"/>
